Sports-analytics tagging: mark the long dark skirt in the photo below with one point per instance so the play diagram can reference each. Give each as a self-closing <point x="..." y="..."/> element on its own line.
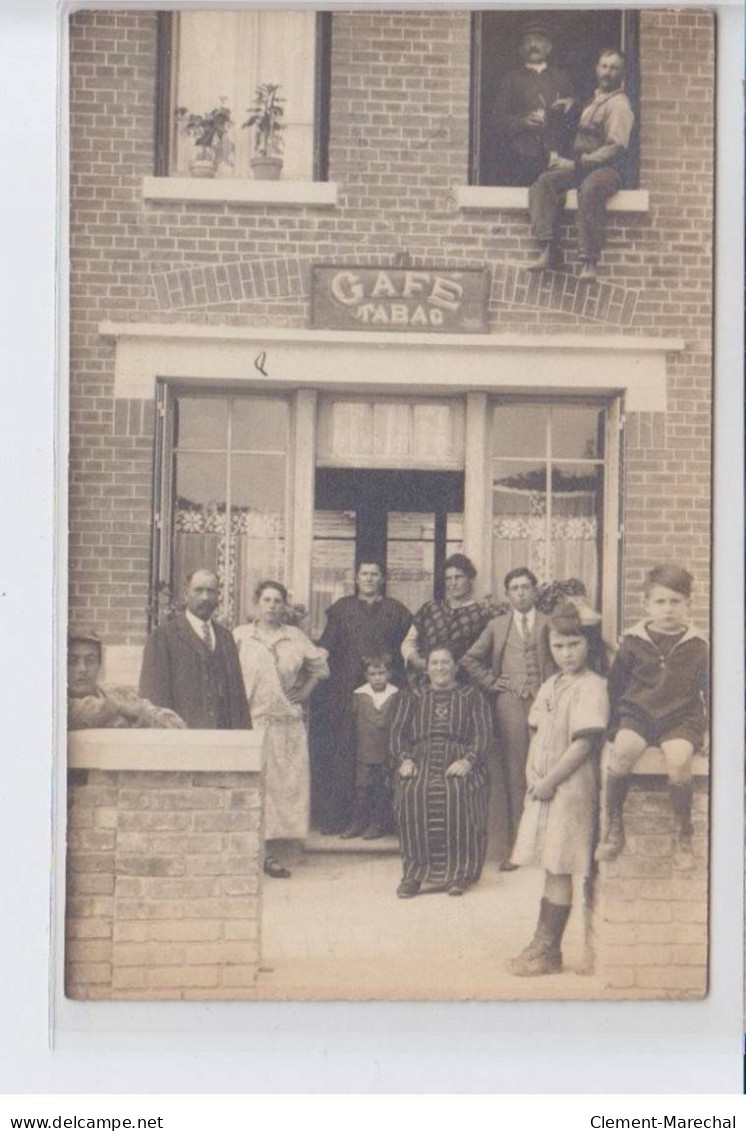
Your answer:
<point x="442" y="820"/>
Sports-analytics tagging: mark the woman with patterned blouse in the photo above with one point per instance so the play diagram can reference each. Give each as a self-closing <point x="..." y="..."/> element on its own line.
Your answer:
<point x="455" y="621"/>
<point x="440" y="736"/>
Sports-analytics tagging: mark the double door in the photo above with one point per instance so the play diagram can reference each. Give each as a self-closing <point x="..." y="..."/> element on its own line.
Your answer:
<point x="410" y="521"/>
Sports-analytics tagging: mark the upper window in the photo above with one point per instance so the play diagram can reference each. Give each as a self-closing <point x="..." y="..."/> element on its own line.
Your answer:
<point x="214" y="59"/>
<point x="504" y="89"/>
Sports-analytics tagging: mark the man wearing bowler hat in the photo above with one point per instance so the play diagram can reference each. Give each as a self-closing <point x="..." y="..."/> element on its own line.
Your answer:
<point x="533" y="108"/>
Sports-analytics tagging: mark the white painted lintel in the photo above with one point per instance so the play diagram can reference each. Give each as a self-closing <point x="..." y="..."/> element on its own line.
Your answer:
<point x="359" y="361"/>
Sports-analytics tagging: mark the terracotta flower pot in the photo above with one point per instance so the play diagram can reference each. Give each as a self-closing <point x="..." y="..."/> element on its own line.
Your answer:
<point x="204" y="163"/>
<point x="266" y="168"/>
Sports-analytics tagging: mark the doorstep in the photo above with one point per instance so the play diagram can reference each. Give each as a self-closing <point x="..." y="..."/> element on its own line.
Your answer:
<point x="384" y="846"/>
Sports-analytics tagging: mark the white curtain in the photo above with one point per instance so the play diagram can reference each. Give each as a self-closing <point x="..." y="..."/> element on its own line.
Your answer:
<point x="227" y="55"/>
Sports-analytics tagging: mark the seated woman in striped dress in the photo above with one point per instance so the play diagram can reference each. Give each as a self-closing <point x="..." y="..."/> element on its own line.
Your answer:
<point x="440" y="736"/>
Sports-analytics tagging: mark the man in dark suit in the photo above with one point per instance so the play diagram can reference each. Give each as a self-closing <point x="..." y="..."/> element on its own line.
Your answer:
<point x="510" y="660"/>
<point x="533" y="108"/>
<point x="190" y="663"/>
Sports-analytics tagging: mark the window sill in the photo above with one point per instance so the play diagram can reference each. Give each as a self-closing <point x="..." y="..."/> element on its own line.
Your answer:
<point x="208" y="190"/>
<point x="489" y="198"/>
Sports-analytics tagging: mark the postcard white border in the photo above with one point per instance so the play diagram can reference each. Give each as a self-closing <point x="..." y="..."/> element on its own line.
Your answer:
<point x="53" y="1045"/>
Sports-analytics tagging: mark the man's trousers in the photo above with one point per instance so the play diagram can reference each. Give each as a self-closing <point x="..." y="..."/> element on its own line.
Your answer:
<point x="508" y="772"/>
<point x="546" y="199"/>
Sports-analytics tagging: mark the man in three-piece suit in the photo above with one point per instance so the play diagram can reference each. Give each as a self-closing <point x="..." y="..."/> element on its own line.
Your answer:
<point x="190" y="663"/>
<point x="510" y="660"/>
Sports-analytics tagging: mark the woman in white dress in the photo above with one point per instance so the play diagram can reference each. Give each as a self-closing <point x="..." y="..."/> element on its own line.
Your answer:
<point x="281" y="667"/>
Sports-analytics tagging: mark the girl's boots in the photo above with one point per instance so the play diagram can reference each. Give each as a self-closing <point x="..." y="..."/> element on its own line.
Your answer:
<point x="543" y="955"/>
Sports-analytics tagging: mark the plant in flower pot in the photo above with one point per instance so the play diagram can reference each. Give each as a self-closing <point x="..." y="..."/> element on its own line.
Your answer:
<point x="264" y="118"/>
<point x="209" y="131"/>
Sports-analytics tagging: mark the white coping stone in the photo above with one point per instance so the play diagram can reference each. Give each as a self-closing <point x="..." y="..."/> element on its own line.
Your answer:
<point x="209" y="751"/>
<point x="653" y="763"/>
<point x="234" y="190"/>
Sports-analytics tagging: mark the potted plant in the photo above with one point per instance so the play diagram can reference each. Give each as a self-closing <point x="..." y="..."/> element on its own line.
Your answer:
<point x="208" y="131"/>
<point x="264" y="117"/>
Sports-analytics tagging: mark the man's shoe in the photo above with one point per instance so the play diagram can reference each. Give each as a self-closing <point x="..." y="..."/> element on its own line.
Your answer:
<point x="373" y="832"/>
<point x="351" y="832"/>
<point x="408" y="889"/>
<point x="588" y="273"/>
<point x="508" y="866"/>
<point x="274" y="868"/>
<point x="550" y="259"/>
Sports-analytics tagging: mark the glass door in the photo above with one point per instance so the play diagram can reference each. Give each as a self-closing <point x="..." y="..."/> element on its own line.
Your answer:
<point x="417" y="545"/>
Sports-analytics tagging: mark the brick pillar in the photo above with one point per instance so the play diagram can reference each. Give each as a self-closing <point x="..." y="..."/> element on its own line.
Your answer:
<point x="649" y="920"/>
<point x="164" y="864"/>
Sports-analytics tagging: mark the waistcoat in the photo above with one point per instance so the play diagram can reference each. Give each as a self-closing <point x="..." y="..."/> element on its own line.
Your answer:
<point x="522" y="657"/>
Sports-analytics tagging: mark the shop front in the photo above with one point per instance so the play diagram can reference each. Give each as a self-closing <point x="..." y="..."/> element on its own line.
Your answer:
<point x="298" y="454"/>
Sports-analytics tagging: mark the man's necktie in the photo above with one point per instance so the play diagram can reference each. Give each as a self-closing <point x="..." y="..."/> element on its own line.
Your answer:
<point x="524" y="626"/>
<point x="207" y="635"/>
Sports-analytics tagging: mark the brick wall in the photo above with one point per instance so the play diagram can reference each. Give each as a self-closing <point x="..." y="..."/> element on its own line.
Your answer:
<point x="650" y="921"/>
<point x="163" y="879"/>
<point x="398" y="146"/>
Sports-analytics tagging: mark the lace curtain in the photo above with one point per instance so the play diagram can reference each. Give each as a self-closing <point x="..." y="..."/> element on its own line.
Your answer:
<point x="519" y="536"/>
<point x="255" y="550"/>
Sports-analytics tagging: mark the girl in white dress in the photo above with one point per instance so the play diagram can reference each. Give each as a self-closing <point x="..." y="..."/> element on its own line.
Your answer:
<point x="558" y="827"/>
<point x="280" y="667"/>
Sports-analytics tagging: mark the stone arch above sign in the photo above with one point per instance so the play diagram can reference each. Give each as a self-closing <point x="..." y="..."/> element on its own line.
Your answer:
<point x="561" y="293"/>
<point x="250" y="280"/>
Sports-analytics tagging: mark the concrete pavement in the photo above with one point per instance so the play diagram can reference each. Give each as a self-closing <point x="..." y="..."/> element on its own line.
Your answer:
<point x="336" y="930"/>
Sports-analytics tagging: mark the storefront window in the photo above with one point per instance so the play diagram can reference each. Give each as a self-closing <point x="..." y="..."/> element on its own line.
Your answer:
<point x="229" y="489"/>
<point x="547" y="508"/>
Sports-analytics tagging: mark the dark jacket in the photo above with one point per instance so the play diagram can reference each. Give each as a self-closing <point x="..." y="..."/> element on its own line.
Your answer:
<point x="205" y="688"/>
<point x="524" y="90"/>
<point x="484" y="659"/>
<point x="643" y="681"/>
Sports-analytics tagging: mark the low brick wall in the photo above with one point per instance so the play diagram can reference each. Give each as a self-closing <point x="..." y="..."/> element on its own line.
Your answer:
<point x="649" y="920"/>
<point x="164" y="864"/>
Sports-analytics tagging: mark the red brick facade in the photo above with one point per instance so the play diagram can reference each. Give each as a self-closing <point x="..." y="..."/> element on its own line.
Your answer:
<point x="398" y="150"/>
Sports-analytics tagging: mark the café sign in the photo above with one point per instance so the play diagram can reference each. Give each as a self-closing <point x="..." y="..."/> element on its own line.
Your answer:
<point x="400" y="299"/>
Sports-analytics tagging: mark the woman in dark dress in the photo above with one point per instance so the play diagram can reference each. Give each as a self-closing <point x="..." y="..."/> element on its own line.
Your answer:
<point x="440" y="737"/>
